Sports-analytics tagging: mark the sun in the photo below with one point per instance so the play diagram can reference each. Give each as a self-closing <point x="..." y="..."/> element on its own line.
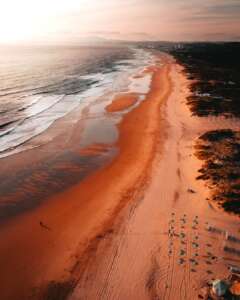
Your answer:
<point x="19" y="21"/>
<point x="22" y="20"/>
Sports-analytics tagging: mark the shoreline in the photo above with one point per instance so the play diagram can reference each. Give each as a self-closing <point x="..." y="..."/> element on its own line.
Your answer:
<point x="90" y="205"/>
<point x="69" y="150"/>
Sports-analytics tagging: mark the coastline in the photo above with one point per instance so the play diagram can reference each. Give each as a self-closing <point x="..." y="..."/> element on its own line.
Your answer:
<point x="164" y="236"/>
<point x="79" y="214"/>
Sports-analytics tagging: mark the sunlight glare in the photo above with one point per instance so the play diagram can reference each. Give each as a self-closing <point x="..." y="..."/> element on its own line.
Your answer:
<point x="22" y="20"/>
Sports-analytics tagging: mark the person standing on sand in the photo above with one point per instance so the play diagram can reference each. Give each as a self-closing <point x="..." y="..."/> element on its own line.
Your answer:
<point x="44" y="226"/>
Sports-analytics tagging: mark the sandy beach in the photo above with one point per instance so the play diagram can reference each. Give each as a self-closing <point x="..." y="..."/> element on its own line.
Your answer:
<point x="136" y="227"/>
<point x="75" y="217"/>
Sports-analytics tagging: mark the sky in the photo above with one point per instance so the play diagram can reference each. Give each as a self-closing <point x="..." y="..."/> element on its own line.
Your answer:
<point x="72" y="21"/>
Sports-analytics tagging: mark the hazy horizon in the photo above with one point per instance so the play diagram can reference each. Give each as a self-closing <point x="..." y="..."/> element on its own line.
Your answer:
<point x="74" y="21"/>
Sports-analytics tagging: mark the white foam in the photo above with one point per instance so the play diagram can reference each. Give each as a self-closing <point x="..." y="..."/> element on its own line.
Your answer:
<point x="43" y="110"/>
<point x="140" y="85"/>
<point x="41" y="104"/>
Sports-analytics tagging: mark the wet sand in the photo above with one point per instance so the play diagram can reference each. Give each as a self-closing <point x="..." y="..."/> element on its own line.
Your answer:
<point x="47" y="244"/>
<point x="121" y="102"/>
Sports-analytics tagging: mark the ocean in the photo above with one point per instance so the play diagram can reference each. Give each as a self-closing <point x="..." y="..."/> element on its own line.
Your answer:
<point x="53" y="110"/>
<point x="39" y="85"/>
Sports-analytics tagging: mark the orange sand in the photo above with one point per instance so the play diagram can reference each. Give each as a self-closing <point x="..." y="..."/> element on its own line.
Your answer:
<point x="121" y="102"/>
<point x="31" y="256"/>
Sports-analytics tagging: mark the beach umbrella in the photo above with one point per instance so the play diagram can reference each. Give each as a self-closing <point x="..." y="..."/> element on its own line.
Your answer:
<point x="219" y="287"/>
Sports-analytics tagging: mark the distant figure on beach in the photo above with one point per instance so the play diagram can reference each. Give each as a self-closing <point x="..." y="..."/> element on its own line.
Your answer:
<point x="44" y="226"/>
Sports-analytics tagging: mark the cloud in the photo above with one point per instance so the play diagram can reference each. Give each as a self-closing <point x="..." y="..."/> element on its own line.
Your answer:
<point x="213" y="11"/>
<point x="140" y="34"/>
<point x="104" y="32"/>
<point x="138" y="20"/>
<point x="133" y="35"/>
<point x="219" y="35"/>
